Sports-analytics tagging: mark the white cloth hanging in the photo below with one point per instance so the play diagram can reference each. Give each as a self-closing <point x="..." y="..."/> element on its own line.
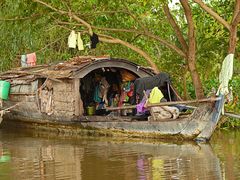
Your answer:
<point x="79" y="42"/>
<point x="24" y="61"/>
<point x="72" y="40"/>
<point x="226" y="74"/>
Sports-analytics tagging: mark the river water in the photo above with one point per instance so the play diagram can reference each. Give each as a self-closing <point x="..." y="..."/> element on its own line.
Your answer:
<point x="30" y="155"/>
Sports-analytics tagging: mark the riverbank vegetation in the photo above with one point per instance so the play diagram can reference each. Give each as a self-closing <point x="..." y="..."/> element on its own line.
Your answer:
<point x="187" y="39"/>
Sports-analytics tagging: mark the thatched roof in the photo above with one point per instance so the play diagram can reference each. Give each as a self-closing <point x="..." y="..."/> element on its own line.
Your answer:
<point x="68" y="69"/>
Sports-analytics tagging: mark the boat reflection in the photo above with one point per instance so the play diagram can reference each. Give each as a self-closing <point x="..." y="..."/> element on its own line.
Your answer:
<point x="103" y="158"/>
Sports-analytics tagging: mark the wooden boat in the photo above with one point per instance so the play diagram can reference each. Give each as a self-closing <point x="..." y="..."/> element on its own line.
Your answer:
<point x="54" y="97"/>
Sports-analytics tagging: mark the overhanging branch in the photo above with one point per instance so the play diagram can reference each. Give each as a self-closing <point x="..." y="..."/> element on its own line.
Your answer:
<point x="175" y="28"/>
<point x="236" y="13"/>
<point x="213" y="14"/>
<point x="20" y="18"/>
<point x="236" y="20"/>
<point x="104" y="38"/>
<point x="148" y="34"/>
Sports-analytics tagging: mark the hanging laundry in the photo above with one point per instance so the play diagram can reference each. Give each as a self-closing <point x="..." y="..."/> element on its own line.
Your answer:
<point x="72" y="40"/>
<point x="141" y="106"/>
<point x="24" y="61"/>
<point x="156" y="95"/>
<point x="97" y="97"/>
<point x="94" y="40"/>
<point x="79" y="42"/>
<point x="31" y="59"/>
<point x="104" y="86"/>
<point x="226" y="74"/>
<point x="145" y="83"/>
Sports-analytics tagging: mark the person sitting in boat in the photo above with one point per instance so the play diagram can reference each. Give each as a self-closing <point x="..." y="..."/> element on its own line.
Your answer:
<point x="157" y="113"/>
<point x="100" y="93"/>
<point x="161" y="80"/>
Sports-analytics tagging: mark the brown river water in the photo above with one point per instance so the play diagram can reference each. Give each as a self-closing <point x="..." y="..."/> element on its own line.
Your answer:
<point x="32" y="155"/>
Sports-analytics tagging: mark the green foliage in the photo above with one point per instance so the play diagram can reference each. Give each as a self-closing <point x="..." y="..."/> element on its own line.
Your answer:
<point x="231" y="123"/>
<point x="32" y="27"/>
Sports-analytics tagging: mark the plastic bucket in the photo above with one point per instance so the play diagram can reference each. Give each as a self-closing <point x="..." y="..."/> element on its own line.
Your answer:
<point x="4" y="89"/>
<point x="90" y="110"/>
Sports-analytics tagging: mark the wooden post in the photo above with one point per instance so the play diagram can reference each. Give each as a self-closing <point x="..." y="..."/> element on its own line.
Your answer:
<point x="81" y="109"/>
<point x="76" y="85"/>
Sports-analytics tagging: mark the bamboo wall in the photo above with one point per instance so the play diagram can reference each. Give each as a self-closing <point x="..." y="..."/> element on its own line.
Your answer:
<point x="59" y="97"/>
<point x="63" y="98"/>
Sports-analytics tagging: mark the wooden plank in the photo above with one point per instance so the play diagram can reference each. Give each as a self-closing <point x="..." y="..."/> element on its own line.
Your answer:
<point x="23" y="106"/>
<point x="76" y="83"/>
<point x="59" y="113"/>
<point x="81" y="109"/>
<point x="233" y="115"/>
<point x="39" y="74"/>
<point x="167" y="103"/>
<point x="212" y="123"/>
<point x="24" y="88"/>
<point x="23" y="94"/>
<point x="21" y="98"/>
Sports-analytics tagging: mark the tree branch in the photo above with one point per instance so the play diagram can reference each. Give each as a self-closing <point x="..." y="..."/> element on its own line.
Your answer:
<point x="102" y="37"/>
<point x="175" y="28"/>
<point x="50" y="7"/>
<point x="50" y="44"/>
<point x="236" y="20"/>
<point x="20" y="18"/>
<point x="83" y="22"/>
<point x="70" y="14"/>
<point x="148" y="34"/>
<point x="134" y="17"/>
<point x="191" y="31"/>
<point x="164" y="42"/>
<point x="191" y="56"/>
<point x="236" y="12"/>
<point x="134" y="48"/>
<point x="213" y="14"/>
<point x="101" y="12"/>
<point x="111" y="40"/>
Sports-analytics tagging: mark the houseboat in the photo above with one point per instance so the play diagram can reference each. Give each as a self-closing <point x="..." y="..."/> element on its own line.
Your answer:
<point x="99" y="96"/>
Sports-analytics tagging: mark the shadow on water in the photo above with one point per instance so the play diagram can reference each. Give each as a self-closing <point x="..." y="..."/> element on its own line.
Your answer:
<point x="29" y="155"/>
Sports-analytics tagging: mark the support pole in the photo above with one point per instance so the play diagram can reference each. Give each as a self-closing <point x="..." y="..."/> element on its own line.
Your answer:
<point x="167" y="103"/>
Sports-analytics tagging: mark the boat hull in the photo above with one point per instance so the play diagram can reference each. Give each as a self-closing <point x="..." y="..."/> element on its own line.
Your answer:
<point x="182" y="128"/>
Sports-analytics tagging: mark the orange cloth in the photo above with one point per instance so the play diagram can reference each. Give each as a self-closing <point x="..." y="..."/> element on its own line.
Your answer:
<point x="31" y="59"/>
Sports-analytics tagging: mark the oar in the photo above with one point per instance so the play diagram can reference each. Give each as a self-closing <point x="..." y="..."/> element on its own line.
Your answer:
<point x="166" y="103"/>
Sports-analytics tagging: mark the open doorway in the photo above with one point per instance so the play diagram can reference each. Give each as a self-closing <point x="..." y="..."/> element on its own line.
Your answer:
<point x="107" y="87"/>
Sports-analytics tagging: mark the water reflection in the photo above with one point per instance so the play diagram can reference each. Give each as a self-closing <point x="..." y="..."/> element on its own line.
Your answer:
<point x="34" y="156"/>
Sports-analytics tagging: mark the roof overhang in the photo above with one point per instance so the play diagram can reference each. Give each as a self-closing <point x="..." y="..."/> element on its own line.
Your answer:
<point x="113" y="63"/>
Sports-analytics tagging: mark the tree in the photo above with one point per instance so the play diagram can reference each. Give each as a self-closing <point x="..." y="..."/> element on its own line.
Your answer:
<point x="189" y="52"/>
<point x="137" y="25"/>
<point x="231" y="27"/>
<point x="190" y="48"/>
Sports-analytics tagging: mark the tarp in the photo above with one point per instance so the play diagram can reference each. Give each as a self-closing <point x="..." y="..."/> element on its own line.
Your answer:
<point x="160" y="80"/>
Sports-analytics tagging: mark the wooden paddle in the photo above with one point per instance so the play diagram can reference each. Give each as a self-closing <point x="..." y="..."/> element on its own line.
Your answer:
<point x="212" y="99"/>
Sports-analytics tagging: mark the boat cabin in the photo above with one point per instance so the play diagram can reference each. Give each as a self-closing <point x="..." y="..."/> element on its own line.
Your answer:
<point x="94" y="95"/>
<point x="80" y="88"/>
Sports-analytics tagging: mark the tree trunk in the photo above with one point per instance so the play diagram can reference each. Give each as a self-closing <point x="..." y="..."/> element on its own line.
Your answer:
<point x="232" y="40"/>
<point x="185" y="92"/>
<point x="191" y="57"/>
<point x="192" y="68"/>
<point x="196" y="79"/>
